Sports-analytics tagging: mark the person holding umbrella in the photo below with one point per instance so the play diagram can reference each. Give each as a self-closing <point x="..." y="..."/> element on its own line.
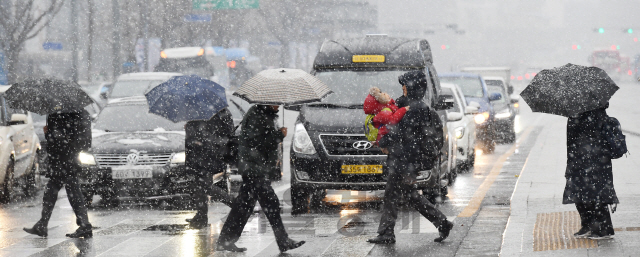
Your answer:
<point x="582" y="94"/>
<point x="203" y="104"/>
<point x="68" y="132"/>
<point x="258" y="141"/>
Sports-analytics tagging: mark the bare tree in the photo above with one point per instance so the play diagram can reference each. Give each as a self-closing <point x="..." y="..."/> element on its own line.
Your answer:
<point x="21" y="20"/>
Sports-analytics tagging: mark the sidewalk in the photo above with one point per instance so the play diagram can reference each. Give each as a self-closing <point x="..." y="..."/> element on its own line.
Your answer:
<point x="540" y="225"/>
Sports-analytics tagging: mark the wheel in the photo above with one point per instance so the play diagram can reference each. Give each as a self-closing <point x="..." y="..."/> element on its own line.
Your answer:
<point x="471" y="161"/>
<point x="444" y="190"/>
<point x="31" y="180"/>
<point x="453" y="174"/>
<point x="5" y="192"/>
<point x="299" y="201"/>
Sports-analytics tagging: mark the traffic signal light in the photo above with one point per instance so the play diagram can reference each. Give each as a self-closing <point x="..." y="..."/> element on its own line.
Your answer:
<point x="630" y="31"/>
<point x="444" y="47"/>
<point x="601" y="30"/>
<point x="576" y="47"/>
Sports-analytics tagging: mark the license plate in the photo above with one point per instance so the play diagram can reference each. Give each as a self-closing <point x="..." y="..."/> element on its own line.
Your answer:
<point x="368" y="58"/>
<point x="128" y="173"/>
<point x="361" y="169"/>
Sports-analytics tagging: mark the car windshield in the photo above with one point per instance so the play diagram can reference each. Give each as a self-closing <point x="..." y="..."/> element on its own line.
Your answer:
<point x="350" y="88"/>
<point x="471" y="86"/>
<point x="499" y="90"/>
<point x="496" y="83"/>
<point x="132" y="88"/>
<point x="131" y="118"/>
<point x="187" y="66"/>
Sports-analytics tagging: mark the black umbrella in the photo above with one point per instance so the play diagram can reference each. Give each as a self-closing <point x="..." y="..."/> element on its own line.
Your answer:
<point x="569" y="90"/>
<point x="45" y="96"/>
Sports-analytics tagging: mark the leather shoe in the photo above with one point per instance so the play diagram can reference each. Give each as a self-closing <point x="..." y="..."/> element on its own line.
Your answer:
<point x="383" y="239"/>
<point x="198" y="223"/>
<point x="227" y="246"/>
<point x="444" y="230"/>
<point x="84" y="232"/>
<point x="290" y="244"/>
<point x="37" y="230"/>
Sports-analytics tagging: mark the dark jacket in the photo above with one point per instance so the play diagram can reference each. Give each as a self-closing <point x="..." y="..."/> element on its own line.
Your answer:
<point x="68" y="133"/>
<point x="589" y="175"/>
<point x="258" y="141"/>
<point x="206" y="141"/>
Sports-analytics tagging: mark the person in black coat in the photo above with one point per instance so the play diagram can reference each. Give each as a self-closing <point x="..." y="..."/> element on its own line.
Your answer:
<point x="259" y="139"/>
<point x="589" y="174"/>
<point x="67" y="135"/>
<point x="411" y="146"/>
<point x="205" y="146"/>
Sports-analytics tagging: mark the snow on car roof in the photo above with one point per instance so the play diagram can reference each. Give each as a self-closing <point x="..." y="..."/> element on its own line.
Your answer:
<point x="4" y="88"/>
<point x="182" y="52"/>
<point x="493" y="78"/>
<point x="148" y="76"/>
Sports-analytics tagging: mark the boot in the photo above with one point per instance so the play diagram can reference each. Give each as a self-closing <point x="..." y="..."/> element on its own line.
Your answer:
<point x="228" y="246"/>
<point x="37" y="229"/>
<point x="198" y="222"/>
<point x="290" y="244"/>
<point x="444" y="230"/>
<point x="84" y="232"/>
<point x="383" y="239"/>
<point x="582" y="233"/>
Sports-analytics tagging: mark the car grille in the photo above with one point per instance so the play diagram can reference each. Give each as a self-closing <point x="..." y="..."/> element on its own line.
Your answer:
<point x="112" y="160"/>
<point x="344" y="145"/>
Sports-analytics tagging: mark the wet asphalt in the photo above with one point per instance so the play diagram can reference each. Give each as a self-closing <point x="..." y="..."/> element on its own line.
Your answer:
<point x="477" y="203"/>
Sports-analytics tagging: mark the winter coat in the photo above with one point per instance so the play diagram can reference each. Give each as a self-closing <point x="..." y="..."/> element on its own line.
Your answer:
<point x="383" y="118"/>
<point x="206" y="141"/>
<point x="67" y="135"/>
<point x="588" y="173"/>
<point x="416" y="140"/>
<point x="258" y="142"/>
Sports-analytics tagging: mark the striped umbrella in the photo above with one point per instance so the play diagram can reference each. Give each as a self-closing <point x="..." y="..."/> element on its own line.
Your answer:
<point x="283" y="87"/>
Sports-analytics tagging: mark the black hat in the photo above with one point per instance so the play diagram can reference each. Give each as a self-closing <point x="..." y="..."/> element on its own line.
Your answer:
<point x="416" y="82"/>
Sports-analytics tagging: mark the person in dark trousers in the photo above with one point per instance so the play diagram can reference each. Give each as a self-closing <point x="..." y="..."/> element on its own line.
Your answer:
<point x="589" y="175"/>
<point x="205" y="145"/>
<point x="411" y="146"/>
<point x="67" y="135"/>
<point x="258" y="140"/>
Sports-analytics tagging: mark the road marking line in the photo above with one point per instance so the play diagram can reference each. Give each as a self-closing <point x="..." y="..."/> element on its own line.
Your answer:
<point x="478" y="196"/>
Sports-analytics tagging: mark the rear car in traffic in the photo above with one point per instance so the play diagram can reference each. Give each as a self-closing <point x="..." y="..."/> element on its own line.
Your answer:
<point x="463" y="127"/>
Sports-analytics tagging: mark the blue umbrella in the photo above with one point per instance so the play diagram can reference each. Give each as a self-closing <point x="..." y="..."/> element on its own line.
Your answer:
<point x="186" y="98"/>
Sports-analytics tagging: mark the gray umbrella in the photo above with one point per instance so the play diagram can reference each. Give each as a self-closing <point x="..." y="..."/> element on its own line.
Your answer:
<point x="569" y="90"/>
<point x="283" y="87"/>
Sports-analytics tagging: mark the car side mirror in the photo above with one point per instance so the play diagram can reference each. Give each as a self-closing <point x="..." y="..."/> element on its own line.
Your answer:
<point x="454" y="116"/>
<point x="495" y="97"/>
<point x="471" y="110"/>
<point x="515" y="99"/>
<point x="18" y="119"/>
<point x="103" y="95"/>
<point x="510" y="89"/>
<point x="293" y="107"/>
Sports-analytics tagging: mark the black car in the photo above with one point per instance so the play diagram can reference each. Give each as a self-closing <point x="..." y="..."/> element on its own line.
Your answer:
<point x="135" y="155"/>
<point x="329" y="148"/>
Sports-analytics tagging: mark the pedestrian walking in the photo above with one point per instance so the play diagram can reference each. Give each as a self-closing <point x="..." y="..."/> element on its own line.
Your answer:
<point x="67" y="135"/>
<point x="589" y="174"/>
<point x="411" y="146"/>
<point x="205" y="146"/>
<point x="258" y="140"/>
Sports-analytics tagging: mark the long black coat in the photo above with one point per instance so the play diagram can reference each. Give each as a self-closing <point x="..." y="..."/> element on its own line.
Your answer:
<point x="258" y="142"/>
<point x="589" y="176"/>
<point x="414" y="137"/>
<point x="67" y="135"/>
<point x="206" y="141"/>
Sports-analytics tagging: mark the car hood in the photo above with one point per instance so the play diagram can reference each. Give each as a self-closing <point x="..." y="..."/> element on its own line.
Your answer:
<point x="125" y="142"/>
<point x="337" y="120"/>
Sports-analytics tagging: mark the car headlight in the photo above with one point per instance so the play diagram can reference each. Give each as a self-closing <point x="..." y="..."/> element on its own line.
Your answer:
<point x="481" y="117"/>
<point x="178" y="158"/>
<point x="459" y="132"/>
<point x="506" y="113"/>
<point x="301" y="141"/>
<point x="86" y="158"/>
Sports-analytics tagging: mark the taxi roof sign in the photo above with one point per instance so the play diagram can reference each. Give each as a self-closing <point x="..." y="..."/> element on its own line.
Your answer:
<point x="368" y="58"/>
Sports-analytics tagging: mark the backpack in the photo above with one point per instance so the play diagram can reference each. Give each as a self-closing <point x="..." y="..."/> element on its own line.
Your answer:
<point x="371" y="131"/>
<point x="612" y="133"/>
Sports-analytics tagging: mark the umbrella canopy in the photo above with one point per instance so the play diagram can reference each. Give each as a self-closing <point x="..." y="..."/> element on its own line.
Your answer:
<point x="46" y="96"/>
<point x="185" y="98"/>
<point x="283" y="87"/>
<point x="569" y="90"/>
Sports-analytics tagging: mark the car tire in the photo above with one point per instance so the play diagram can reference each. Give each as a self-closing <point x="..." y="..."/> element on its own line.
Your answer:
<point x="471" y="159"/>
<point x="299" y="201"/>
<point x="31" y="180"/>
<point x="510" y="137"/>
<point x="5" y="190"/>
